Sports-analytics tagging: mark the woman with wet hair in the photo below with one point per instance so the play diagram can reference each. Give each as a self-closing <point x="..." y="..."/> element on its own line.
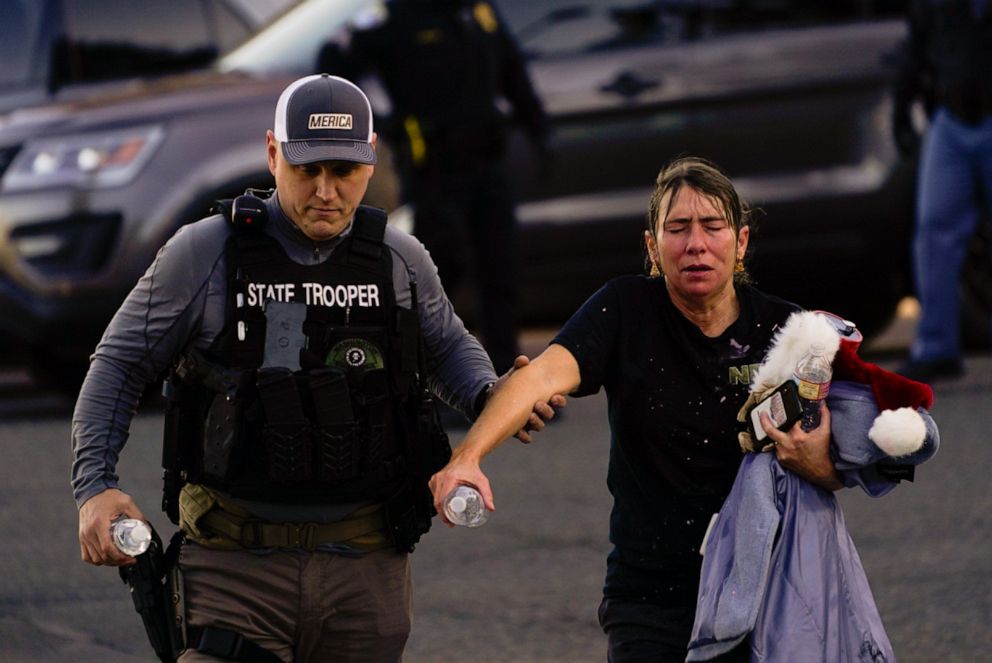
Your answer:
<point x="674" y="351"/>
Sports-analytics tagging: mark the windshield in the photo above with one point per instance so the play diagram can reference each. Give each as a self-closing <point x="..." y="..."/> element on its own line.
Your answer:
<point x="292" y="43"/>
<point x="20" y="33"/>
<point x="48" y="44"/>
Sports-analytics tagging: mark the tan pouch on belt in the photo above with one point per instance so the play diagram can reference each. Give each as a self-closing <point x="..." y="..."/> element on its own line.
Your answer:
<point x="196" y="501"/>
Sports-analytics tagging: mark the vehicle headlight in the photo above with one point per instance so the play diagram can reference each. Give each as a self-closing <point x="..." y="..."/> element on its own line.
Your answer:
<point x="94" y="160"/>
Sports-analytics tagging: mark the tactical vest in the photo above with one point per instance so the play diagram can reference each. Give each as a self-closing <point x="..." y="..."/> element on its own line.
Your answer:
<point x="311" y="392"/>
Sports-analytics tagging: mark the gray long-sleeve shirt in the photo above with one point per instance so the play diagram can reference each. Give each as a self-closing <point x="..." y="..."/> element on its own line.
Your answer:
<point x="179" y="304"/>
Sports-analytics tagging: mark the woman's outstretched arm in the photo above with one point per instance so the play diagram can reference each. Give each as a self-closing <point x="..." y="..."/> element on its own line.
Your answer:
<point x="555" y="371"/>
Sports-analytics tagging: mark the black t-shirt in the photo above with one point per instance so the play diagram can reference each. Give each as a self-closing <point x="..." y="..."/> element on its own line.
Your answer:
<point x="673" y="398"/>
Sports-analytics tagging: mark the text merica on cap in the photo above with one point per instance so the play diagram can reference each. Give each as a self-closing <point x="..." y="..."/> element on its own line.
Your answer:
<point x="330" y="121"/>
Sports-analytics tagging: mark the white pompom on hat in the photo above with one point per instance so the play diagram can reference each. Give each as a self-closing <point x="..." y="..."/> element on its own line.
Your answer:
<point x="898" y="432"/>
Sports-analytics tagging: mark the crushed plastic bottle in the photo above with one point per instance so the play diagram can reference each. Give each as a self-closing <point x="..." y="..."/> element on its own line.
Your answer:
<point x="131" y="536"/>
<point x="463" y="506"/>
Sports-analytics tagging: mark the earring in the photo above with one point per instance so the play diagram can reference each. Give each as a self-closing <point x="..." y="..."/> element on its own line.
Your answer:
<point x="739" y="266"/>
<point x="655" y="272"/>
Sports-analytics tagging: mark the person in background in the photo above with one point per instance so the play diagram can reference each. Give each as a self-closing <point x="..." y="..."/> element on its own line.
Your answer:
<point x="447" y="65"/>
<point x="674" y="351"/>
<point x="947" y="61"/>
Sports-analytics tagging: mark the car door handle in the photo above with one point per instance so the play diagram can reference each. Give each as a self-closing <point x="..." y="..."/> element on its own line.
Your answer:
<point x="628" y="84"/>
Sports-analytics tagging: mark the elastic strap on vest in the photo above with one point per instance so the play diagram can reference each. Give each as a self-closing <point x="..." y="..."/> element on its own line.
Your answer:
<point x="228" y="645"/>
<point x="368" y="233"/>
<point x="244" y="251"/>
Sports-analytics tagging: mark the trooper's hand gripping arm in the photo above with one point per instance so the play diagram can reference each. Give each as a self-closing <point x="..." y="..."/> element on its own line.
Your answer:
<point x="543" y="411"/>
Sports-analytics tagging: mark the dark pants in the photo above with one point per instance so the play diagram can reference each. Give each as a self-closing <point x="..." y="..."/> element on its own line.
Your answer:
<point x="465" y="218"/>
<point x="648" y="633"/>
<point x="302" y="606"/>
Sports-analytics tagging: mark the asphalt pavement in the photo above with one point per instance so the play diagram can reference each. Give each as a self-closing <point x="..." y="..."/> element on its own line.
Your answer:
<point x="524" y="587"/>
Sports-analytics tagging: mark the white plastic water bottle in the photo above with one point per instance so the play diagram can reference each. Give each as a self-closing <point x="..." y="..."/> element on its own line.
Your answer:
<point x="463" y="506"/>
<point x="813" y="375"/>
<point x="131" y="536"/>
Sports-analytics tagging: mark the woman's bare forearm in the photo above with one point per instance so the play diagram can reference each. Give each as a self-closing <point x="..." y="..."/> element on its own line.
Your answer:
<point x="555" y="371"/>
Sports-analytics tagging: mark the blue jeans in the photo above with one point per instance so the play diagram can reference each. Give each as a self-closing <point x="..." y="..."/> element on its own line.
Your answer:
<point x="955" y="179"/>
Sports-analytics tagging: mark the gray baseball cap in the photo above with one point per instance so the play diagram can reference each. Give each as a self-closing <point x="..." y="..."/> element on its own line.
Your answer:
<point x="324" y="118"/>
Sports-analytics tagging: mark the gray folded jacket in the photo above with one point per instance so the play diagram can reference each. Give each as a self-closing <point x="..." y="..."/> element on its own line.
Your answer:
<point x="779" y="563"/>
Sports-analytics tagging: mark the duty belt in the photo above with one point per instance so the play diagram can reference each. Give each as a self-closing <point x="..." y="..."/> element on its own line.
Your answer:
<point x="212" y="522"/>
<point x="308" y="536"/>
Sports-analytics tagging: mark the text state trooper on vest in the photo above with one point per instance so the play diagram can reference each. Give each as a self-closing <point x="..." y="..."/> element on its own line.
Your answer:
<point x="306" y="339"/>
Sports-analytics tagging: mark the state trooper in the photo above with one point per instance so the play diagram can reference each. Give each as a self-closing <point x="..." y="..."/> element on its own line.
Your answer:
<point x="304" y="340"/>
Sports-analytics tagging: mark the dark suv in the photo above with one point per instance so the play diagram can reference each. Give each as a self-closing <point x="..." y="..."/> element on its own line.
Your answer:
<point x="789" y="96"/>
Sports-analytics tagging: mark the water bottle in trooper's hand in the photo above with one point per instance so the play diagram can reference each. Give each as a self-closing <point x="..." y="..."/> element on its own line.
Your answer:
<point x="131" y="536"/>
<point x="463" y="506"/>
<point x="813" y="374"/>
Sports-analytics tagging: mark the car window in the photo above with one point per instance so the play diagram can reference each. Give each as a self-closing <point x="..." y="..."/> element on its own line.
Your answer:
<point x="47" y="45"/>
<point x="142" y="39"/>
<point x="257" y="12"/>
<point x="555" y="28"/>
<point x="107" y="39"/>
<point x="231" y="29"/>
<point x="291" y="43"/>
<point x="237" y="20"/>
<point x="20" y="31"/>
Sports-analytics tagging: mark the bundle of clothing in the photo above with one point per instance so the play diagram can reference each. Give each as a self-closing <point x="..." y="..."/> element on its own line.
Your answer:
<point x="779" y="565"/>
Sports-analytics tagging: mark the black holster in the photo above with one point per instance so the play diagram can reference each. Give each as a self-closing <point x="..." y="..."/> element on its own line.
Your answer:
<point x="157" y="591"/>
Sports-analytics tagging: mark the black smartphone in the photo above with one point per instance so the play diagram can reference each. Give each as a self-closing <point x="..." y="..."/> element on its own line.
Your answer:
<point x="783" y="408"/>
